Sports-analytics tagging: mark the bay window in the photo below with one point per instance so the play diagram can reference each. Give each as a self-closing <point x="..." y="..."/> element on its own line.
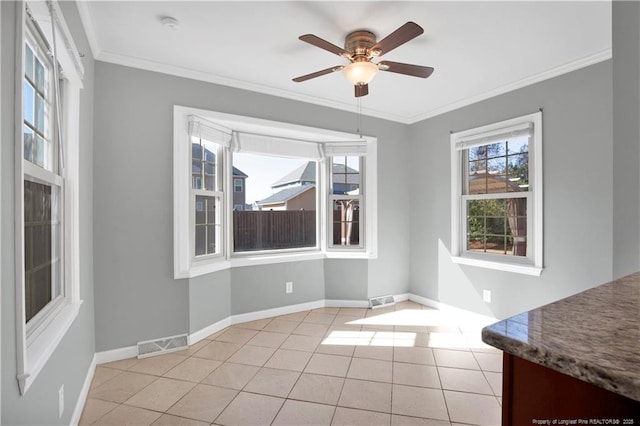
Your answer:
<point x="263" y="192"/>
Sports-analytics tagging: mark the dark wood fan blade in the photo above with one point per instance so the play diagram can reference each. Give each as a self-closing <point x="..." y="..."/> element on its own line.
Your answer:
<point x="317" y="74"/>
<point x="407" y="32"/>
<point x="407" y="69"/>
<point x="361" y="90"/>
<point x="323" y="44"/>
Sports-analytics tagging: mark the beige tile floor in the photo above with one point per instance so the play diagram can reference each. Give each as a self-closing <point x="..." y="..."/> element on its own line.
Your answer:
<point x="402" y="365"/>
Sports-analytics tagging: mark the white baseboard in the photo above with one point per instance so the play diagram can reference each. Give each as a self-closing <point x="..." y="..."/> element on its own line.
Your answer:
<point x="333" y="303"/>
<point x="116" y="354"/>
<point x="458" y="312"/>
<point x="276" y="312"/>
<point x="84" y="392"/>
<point x="401" y="297"/>
<point x="195" y="337"/>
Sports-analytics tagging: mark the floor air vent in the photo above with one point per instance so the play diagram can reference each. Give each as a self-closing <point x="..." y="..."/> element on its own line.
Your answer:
<point x="380" y="301"/>
<point x="162" y="346"/>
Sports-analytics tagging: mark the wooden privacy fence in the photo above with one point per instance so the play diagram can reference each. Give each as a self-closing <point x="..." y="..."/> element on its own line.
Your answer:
<point x="273" y="229"/>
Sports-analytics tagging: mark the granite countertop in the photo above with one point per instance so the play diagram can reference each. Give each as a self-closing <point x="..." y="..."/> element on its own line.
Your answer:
<point x="593" y="336"/>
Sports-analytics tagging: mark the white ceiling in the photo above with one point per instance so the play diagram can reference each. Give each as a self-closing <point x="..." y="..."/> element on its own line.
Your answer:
<point x="478" y="49"/>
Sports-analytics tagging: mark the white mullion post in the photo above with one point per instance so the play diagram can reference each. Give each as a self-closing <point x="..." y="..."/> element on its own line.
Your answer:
<point x="362" y="202"/>
<point x="21" y="344"/>
<point x="226" y="169"/>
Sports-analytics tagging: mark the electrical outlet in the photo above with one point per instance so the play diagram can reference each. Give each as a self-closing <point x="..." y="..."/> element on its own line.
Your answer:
<point x="288" y="287"/>
<point x="486" y="296"/>
<point x="60" y="401"/>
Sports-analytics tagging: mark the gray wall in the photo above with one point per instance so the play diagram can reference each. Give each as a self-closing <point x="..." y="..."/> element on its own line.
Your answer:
<point x="626" y="138"/>
<point x="209" y="299"/>
<point x="256" y="288"/>
<point x="136" y="295"/>
<point x="70" y="362"/>
<point x="577" y="145"/>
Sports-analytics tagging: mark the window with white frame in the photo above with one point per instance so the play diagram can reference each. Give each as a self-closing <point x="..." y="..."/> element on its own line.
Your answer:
<point x="497" y="195"/>
<point x="346" y="197"/>
<point x="206" y="196"/>
<point x="304" y="186"/>
<point x="46" y="191"/>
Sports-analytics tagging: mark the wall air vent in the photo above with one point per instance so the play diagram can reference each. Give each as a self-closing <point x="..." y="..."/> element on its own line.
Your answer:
<point x="162" y="346"/>
<point x="381" y="301"/>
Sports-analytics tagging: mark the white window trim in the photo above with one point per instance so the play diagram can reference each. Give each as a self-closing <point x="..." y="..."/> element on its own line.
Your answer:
<point x="185" y="267"/>
<point x="34" y="351"/>
<point x="534" y="264"/>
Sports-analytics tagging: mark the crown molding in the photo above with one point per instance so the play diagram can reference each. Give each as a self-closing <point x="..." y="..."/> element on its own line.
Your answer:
<point x="162" y="68"/>
<point x="554" y="72"/>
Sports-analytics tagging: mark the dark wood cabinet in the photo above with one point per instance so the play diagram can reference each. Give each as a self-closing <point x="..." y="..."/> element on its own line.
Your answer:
<point x="533" y="393"/>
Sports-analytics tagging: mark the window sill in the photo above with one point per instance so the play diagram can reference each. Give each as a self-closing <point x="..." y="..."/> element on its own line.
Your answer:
<point x="500" y="266"/>
<point x="42" y="347"/>
<point x="266" y="259"/>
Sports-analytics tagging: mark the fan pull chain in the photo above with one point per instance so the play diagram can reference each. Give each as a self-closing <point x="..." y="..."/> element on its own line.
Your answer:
<point x="359" y="130"/>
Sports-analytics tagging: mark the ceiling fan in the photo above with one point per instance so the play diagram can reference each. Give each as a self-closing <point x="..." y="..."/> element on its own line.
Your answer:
<point x="360" y="47"/>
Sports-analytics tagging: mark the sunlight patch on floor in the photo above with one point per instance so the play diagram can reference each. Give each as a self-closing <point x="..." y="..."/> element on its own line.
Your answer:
<point x="407" y="317"/>
<point x="370" y="338"/>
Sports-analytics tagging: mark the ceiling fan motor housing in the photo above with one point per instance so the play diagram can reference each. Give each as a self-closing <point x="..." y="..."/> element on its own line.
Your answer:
<point x="359" y="43"/>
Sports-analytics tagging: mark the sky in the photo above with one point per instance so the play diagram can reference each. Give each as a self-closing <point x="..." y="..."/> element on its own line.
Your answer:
<point x="263" y="171"/>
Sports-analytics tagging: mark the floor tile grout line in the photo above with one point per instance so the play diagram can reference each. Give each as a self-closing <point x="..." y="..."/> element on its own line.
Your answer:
<point x="328" y="328"/>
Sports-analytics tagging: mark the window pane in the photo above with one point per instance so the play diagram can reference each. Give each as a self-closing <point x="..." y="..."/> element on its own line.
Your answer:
<point x="203" y="165"/>
<point x="477" y="153"/>
<point x="29" y="101"/>
<point x="279" y="196"/>
<point x="40" y="113"/>
<point x="496" y="150"/>
<point x="346" y="223"/>
<point x="518" y="172"/>
<point x="206" y="223"/>
<point x="42" y="246"/>
<point x="28" y="62"/>
<point x="498" y="168"/>
<point x="518" y="145"/>
<point x="345" y="175"/>
<point x="497" y="226"/>
<point x="41" y="76"/>
<point x="29" y="144"/>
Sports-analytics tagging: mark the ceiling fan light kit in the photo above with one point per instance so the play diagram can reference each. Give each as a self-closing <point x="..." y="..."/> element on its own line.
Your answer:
<point x="360" y="47"/>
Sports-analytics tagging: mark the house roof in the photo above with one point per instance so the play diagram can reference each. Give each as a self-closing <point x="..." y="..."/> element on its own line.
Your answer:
<point x="286" y="194"/>
<point x="306" y="174"/>
<point x="238" y="173"/>
<point x="481" y="182"/>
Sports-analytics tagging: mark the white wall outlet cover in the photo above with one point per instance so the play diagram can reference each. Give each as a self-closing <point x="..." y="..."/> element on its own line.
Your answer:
<point x="486" y="296"/>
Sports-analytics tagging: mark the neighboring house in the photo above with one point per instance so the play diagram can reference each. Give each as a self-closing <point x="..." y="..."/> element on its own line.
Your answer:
<point x="208" y="162"/>
<point x="297" y="191"/>
<point x="239" y="190"/>
<point x="301" y="197"/>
